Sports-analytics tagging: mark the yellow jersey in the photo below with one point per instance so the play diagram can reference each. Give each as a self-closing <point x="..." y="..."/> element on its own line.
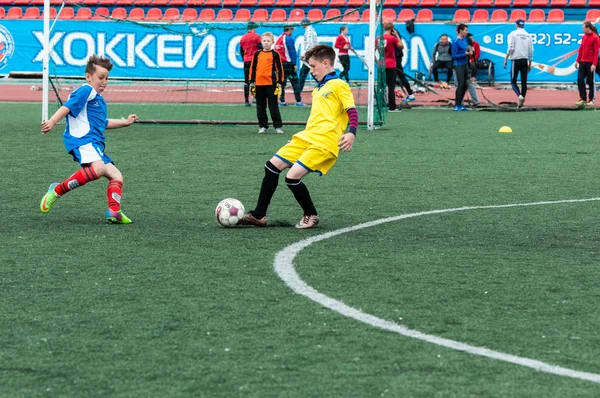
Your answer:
<point x="328" y="118"/>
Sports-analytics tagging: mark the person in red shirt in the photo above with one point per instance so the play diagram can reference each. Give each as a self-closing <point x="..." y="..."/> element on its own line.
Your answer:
<point x="249" y="44"/>
<point x="587" y="61"/>
<point x="391" y="42"/>
<point x="342" y="43"/>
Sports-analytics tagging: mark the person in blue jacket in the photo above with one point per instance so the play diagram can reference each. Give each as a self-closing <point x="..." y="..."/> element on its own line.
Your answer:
<point x="460" y="58"/>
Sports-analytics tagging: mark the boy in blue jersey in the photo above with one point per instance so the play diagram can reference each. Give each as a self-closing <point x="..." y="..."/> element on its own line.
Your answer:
<point x="316" y="148"/>
<point x="86" y="117"/>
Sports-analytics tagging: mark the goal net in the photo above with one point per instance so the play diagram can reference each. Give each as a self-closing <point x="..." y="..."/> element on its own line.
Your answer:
<point x="179" y="69"/>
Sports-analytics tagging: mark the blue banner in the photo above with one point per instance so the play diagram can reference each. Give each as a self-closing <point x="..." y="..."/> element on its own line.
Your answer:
<point x="211" y="51"/>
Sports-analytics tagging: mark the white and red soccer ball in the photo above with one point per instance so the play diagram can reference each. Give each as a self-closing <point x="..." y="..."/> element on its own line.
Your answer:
<point x="229" y="212"/>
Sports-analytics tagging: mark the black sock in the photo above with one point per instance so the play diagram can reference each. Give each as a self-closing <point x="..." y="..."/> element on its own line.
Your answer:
<point x="302" y="196"/>
<point x="267" y="189"/>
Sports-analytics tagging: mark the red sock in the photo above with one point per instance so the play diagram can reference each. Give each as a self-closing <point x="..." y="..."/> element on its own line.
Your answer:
<point x="79" y="179"/>
<point x="114" y="192"/>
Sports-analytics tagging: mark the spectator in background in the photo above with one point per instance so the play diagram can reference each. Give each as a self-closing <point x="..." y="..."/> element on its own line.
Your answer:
<point x="442" y="58"/>
<point x="460" y="61"/>
<point x="473" y="58"/>
<point x="284" y="45"/>
<point x="400" y="76"/>
<point x="587" y="62"/>
<point x="342" y="43"/>
<point x="310" y="40"/>
<point x="391" y="43"/>
<point x="520" y="51"/>
<point x="249" y="44"/>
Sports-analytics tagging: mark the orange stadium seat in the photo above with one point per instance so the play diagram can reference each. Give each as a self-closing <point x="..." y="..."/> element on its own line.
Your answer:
<point x="101" y="14"/>
<point x="410" y="3"/>
<point x="391" y="3"/>
<point x="405" y="15"/>
<point x="154" y="14"/>
<point x="556" y="16"/>
<point x="593" y="3"/>
<point x="137" y="14"/>
<point x="499" y="16"/>
<point x="337" y="3"/>
<point x="301" y="3"/>
<point x="278" y="15"/>
<point x="142" y="3"/>
<point x="461" y="15"/>
<point x="465" y="3"/>
<point x="502" y="3"/>
<point x="242" y="15"/>
<point x="558" y="3"/>
<point x="2" y="13"/>
<point x="224" y="14"/>
<point x="90" y="3"/>
<point x="119" y="13"/>
<point x="21" y="3"/>
<point x="539" y="3"/>
<point x="365" y="16"/>
<point x="189" y="14"/>
<point x="125" y="3"/>
<point x="107" y="3"/>
<point x="352" y="16"/>
<point x="315" y="15"/>
<point x="207" y="14"/>
<point x="52" y="14"/>
<point x="388" y="15"/>
<point x="59" y="2"/>
<point x="355" y="3"/>
<point x="296" y="15"/>
<point x="171" y="14"/>
<point x="521" y="3"/>
<point x="428" y="3"/>
<point x="447" y="3"/>
<point x="160" y="3"/>
<point x="248" y="3"/>
<point x="590" y="16"/>
<point x="212" y="3"/>
<point x="67" y="13"/>
<point x="577" y="3"/>
<point x="265" y="3"/>
<point x="38" y="3"/>
<point x="178" y="3"/>
<point x="517" y="14"/>
<point x="83" y="14"/>
<point x="332" y="14"/>
<point x="195" y="3"/>
<point x="484" y="3"/>
<point x="320" y="3"/>
<point x="14" y="13"/>
<point x="230" y="3"/>
<point x="537" y="15"/>
<point x="480" y="16"/>
<point x="424" y="16"/>
<point x="5" y="3"/>
<point x="260" y="15"/>
<point x="283" y="3"/>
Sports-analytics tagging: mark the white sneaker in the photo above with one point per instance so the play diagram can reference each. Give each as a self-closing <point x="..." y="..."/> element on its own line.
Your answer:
<point x="262" y="130"/>
<point x="521" y="101"/>
<point x="279" y="131"/>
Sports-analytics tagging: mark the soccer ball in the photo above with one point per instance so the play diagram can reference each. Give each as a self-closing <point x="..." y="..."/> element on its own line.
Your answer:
<point x="229" y="212"/>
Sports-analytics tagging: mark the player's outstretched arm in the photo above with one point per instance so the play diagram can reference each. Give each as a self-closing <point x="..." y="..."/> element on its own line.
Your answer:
<point x="118" y="123"/>
<point x="346" y="142"/>
<point x="58" y="115"/>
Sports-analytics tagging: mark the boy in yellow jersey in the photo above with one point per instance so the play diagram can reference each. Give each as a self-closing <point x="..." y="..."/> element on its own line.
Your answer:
<point x="316" y="148"/>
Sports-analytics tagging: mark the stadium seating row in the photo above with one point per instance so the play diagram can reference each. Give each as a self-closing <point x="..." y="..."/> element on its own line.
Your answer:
<point x="278" y="15"/>
<point x="311" y="3"/>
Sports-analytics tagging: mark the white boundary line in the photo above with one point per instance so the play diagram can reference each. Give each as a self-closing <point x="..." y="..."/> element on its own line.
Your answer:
<point x="284" y="266"/>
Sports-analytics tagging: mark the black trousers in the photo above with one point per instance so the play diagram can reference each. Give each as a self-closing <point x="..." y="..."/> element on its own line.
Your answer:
<point x="462" y="74"/>
<point x="519" y="66"/>
<point x="302" y="77"/>
<point x="246" y="83"/>
<point x="288" y="73"/>
<point x="390" y="81"/>
<point x="266" y="95"/>
<point x="402" y="77"/>
<point x="585" y="74"/>
<point x="441" y="64"/>
<point x="345" y="61"/>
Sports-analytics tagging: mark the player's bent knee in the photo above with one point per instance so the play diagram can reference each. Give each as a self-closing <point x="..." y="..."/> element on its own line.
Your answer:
<point x="278" y="163"/>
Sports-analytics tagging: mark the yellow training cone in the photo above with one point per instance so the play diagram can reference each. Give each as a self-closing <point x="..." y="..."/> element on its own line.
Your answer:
<point x="505" y="129"/>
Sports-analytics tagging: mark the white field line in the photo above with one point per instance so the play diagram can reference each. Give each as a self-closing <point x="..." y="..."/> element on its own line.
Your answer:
<point x="284" y="267"/>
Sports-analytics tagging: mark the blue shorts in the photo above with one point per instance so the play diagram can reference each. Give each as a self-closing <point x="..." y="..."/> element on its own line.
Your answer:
<point x="90" y="153"/>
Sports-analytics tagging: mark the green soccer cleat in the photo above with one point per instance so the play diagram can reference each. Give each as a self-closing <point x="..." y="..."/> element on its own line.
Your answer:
<point x="49" y="199"/>
<point x="117" y="217"/>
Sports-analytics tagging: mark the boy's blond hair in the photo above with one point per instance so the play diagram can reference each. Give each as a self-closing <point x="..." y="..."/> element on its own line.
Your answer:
<point x="268" y="34"/>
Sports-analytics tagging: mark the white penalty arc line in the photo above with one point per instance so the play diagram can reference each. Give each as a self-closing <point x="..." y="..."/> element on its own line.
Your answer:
<point x="284" y="266"/>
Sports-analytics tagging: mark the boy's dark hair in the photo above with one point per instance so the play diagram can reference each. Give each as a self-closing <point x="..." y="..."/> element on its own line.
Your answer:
<point x="321" y="52"/>
<point x="98" y="60"/>
<point x="461" y="27"/>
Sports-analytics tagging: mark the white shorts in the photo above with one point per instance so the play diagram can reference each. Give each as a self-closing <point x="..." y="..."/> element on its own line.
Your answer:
<point x="90" y="153"/>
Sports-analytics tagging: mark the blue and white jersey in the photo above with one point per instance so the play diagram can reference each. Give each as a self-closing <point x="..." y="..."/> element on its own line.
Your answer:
<point x="87" y="118"/>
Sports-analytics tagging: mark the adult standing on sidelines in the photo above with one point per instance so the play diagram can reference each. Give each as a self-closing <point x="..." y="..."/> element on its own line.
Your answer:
<point x="460" y="57"/>
<point x="284" y="45"/>
<point x="342" y="43"/>
<point x="520" y="51"/>
<point x="310" y="40"/>
<point x="587" y="61"/>
<point x="249" y="44"/>
<point x="391" y="41"/>
<point x="400" y="75"/>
